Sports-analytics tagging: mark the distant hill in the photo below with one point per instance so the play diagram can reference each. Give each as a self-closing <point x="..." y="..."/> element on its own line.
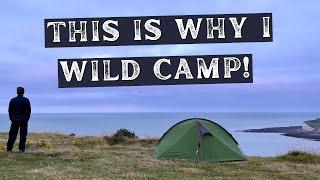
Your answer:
<point x="315" y="124"/>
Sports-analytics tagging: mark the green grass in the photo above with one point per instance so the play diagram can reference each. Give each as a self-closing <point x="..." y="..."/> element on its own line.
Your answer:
<point x="300" y="157"/>
<point x="313" y="123"/>
<point x="56" y="156"/>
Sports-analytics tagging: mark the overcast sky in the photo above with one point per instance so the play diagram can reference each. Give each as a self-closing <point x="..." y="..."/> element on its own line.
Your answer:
<point x="286" y="71"/>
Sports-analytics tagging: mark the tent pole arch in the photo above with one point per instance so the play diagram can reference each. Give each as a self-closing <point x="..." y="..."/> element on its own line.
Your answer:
<point x="202" y="119"/>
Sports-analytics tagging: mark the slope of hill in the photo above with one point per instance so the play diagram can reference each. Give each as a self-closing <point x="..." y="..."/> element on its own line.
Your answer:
<point x="57" y="156"/>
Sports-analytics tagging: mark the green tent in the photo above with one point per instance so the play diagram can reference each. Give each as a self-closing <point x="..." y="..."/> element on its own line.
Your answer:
<point x="198" y="140"/>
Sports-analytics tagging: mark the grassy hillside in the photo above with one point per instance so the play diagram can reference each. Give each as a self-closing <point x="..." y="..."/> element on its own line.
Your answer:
<point x="56" y="156"/>
<point x="313" y="123"/>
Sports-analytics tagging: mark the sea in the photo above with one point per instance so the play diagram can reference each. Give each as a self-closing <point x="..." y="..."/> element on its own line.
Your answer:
<point x="156" y="124"/>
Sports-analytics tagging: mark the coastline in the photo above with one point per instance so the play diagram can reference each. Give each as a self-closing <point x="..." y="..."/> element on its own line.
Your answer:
<point x="290" y="131"/>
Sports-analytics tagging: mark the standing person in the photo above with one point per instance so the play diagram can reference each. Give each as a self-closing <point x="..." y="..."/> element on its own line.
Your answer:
<point x="19" y="114"/>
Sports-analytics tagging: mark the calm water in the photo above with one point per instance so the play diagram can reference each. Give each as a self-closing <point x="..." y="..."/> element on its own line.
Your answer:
<point x="155" y="124"/>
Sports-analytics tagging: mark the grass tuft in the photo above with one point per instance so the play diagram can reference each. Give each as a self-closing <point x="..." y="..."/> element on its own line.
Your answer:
<point x="122" y="136"/>
<point x="44" y="143"/>
<point x="300" y="157"/>
<point x="2" y="147"/>
<point x="113" y="140"/>
<point x="87" y="142"/>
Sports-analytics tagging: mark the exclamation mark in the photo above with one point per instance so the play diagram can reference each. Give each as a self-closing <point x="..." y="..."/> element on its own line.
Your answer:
<point x="246" y="74"/>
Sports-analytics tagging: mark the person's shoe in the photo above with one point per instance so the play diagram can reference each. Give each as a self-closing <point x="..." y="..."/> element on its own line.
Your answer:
<point x="21" y="151"/>
<point x="9" y="151"/>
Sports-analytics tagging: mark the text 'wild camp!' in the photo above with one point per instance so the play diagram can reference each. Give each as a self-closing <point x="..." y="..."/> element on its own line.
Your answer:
<point x="162" y="68"/>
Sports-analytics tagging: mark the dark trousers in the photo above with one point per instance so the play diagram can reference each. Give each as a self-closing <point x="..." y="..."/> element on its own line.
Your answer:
<point x="15" y="125"/>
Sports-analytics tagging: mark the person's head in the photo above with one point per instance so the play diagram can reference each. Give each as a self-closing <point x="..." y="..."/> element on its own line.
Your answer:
<point x="20" y="90"/>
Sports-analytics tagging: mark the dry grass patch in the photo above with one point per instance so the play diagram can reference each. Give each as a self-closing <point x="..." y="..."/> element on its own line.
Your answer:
<point x="94" y="158"/>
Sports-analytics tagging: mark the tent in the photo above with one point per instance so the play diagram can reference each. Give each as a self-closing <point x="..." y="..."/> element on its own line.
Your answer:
<point x="198" y="140"/>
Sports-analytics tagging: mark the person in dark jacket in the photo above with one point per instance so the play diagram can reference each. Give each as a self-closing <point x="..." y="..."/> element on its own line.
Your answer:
<point x="19" y="114"/>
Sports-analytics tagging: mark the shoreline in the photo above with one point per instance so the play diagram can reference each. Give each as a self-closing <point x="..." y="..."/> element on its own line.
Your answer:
<point x="290" y="131"/>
